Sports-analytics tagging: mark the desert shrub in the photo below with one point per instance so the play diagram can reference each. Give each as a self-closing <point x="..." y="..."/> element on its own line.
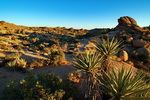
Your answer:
<point x="35" y="39"/>
<point x="14" y="61"/>
<point x="56" y="56"/>
<point x="38" y="63"/>
<point x="65" y="47"/>
<point x="41" y="46"/>
<point x="5" y="45"/>
<point x="44" y="87"/>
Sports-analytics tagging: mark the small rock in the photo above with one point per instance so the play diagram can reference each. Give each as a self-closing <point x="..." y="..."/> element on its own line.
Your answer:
<point x="45" y="54"/>
<point x="123" y="55"/>
<point x="129" y="40"/>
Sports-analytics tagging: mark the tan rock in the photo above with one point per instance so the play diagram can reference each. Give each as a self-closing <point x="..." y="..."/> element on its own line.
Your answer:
<point x="123" y="55"/>
<point x="127" y="21"/>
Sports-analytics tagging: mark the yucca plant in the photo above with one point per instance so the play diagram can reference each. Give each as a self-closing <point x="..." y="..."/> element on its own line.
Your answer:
<point x="89" y="63"/>
<point x="17" y="63"/>
<point x="108" y="47"/>
<point x="123" y="84"/>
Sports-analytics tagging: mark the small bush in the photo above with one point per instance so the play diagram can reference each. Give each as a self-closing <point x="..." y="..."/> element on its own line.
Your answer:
<point x="38" y="63"/>
<point x="56" y="56"/>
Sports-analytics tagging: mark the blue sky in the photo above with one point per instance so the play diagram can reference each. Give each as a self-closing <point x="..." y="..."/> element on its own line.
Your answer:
<point x="74" y="13"/>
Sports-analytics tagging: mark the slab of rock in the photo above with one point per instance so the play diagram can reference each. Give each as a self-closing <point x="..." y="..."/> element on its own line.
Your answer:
<point x="139" y="43"/>
<point x="123" y="55"/>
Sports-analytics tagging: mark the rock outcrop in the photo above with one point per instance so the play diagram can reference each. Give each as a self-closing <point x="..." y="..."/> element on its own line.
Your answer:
<point x="128" y="24"/>
<point x="127" y="21"/>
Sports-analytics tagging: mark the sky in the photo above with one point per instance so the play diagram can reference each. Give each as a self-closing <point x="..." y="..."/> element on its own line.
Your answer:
<point x="86" y="14"/>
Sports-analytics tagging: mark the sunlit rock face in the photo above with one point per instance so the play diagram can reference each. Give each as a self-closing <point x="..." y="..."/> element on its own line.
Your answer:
<point x="127" y="21"/>
<point x="129" y="24"/>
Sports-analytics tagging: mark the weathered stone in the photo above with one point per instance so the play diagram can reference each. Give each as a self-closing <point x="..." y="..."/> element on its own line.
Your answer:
<point x="127" y="21"/>
<point x="139" y="43"/>
<point x="123" y="55"/>
<point x="143" y="51"/>
<point x="129" y="25"/>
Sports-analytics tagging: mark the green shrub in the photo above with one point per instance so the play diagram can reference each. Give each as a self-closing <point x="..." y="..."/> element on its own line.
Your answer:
<point x="44" y="87"/>
<point x="38" y="63"/>
<point x="56" y="56"/>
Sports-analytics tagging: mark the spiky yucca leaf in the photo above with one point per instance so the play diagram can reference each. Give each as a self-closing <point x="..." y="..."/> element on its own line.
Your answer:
<point x="108" y="47"/>
<point x="123" y="84"/>
<point x="88" y="62"/>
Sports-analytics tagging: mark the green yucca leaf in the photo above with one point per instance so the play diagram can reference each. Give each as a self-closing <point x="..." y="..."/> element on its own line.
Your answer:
<point x="88" y="62"/>
<point x="108" y="47"/>
<point x="123" y="84"/>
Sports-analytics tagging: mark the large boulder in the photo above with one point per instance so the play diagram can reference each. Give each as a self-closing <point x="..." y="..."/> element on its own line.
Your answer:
<point x="139" y="43"/>
<point x="143" y="51"/>
<point x="123" y="55"/>
<point x="127" y="21"/>
<point x="129" y="25"/>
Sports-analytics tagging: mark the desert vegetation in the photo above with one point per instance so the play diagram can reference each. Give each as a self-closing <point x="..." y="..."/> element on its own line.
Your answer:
<point x="44" y="63"/>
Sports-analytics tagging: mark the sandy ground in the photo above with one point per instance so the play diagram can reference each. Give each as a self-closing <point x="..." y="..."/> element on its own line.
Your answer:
<point x="6" y="75"/>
